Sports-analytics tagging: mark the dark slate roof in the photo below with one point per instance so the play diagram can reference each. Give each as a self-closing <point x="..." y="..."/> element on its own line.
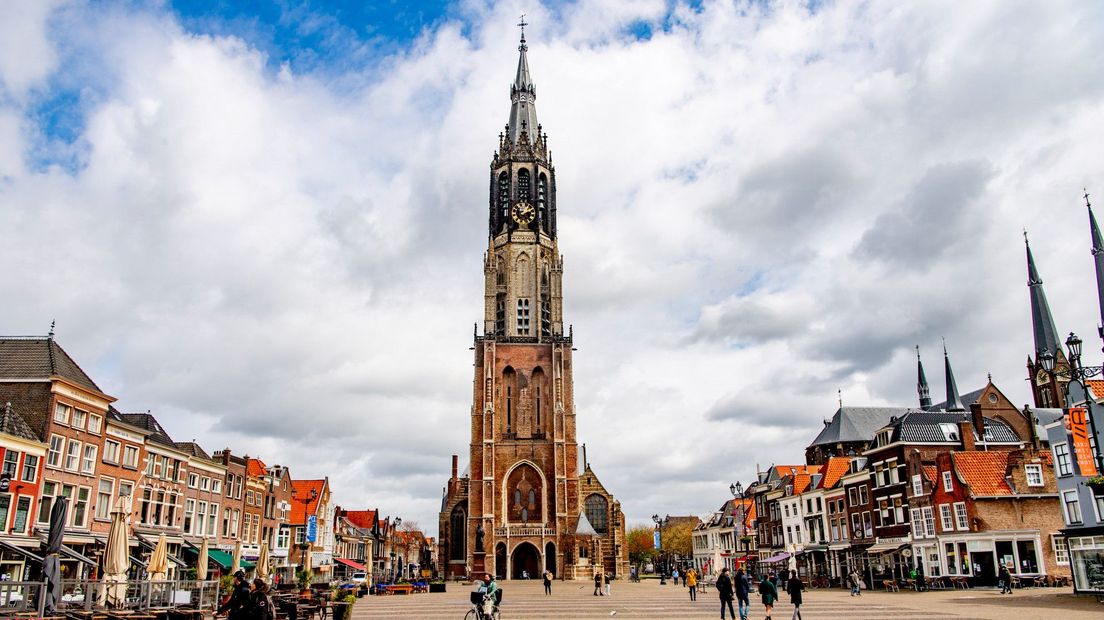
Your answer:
<point x="193" y="449"/>
<point x="942" y="427"/>
<point x="13" y="424"/>
<point x="851" y="424"/>
<point x="967" y="399"/>
<point x="40" y="358"/>
<point x="148" y="422"/>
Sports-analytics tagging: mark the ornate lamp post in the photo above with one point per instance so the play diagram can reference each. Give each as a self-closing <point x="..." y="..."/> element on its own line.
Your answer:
<point x="661" y="522"/>
<point x="738" y="531"/>
<point x="1078" y="373"/>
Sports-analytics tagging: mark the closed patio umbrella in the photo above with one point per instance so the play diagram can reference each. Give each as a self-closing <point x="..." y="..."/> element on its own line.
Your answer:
<point x="201" y="563"/>
<point x="235" y="566"/>
<point x="158" y="565"/>
<point x="117" y="555"/>
<point x="51" y="565"/>
<point x="262" y="562"/>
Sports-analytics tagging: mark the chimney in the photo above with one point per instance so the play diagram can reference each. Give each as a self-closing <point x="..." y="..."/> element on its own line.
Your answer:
<point x="966" y="435"/>
<point x="455" y="462"/>
<point x="978" y="420"/>
<point x="1032" y="432"/>
<point x="225" y="456"/>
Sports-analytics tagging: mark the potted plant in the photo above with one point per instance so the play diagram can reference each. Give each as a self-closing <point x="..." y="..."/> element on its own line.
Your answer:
<point x="304" y="578"/>
<point x="344" y="609"/>
<point x="1096" y="483"/>
<point x="437" y="585"/>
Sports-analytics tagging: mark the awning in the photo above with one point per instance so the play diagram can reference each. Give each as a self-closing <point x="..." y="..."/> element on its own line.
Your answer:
<point x="226" y="560"/>
<point x="7" y="546"/>
<point x="351" y="564"/>
<point x="838" y="546"/>
<point x="69" y="553"/>
<point x="775" y="558"/>
<point x="885" y="547"/>
<point x="816" y="548"/>
<point x="150" y="546"/>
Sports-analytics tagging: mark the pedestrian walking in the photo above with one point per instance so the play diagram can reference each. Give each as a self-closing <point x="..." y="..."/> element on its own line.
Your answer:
<point x="794" y="587"/>
<point x="598" y="582"/>
<point x="548" y="583"/>
<point x="607" y="583"/>
<point x="724" y="588"/>
<point x="692" y="583"/>
<point x="856" y="582"/>
<point x="675" y="576"/>
<point x="1005" y="580"/>
<point x="237" y="606"/>
<point x="743" y="593"/>
<point x="260" y="605"/>
<point x="769" y="594"/>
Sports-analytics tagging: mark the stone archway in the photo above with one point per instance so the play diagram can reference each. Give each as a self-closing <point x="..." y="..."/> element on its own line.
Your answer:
<point x="525" y="561"/>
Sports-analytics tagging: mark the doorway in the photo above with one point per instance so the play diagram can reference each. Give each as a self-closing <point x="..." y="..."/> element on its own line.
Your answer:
<point x="500" y="561"/>
<point x="525" y="562"/>
<point x="550" y="558"/>
<point x="985" y="568"/>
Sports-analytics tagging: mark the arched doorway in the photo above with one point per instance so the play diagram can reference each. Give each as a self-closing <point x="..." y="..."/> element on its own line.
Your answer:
<point x="500" y="561"/>
<point x="525" y="561"/>
<point x="550" y="558"/>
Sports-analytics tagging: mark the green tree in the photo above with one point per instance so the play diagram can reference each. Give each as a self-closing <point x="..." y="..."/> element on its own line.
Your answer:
<point x="638" y="540"/>
<point x="677" y="538"/>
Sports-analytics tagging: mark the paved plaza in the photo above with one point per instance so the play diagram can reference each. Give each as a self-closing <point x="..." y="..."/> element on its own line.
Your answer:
<point x="526" y="601"/>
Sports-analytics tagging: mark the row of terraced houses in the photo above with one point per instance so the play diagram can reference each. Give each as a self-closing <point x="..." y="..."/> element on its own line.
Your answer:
<point x="946" y="493"/>
<point x="61" y="435"/>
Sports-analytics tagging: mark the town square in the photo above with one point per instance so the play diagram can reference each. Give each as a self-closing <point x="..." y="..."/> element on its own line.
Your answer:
<point x="805" y="318"/>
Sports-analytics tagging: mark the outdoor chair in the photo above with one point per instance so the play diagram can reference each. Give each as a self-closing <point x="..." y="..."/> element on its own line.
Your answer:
<point x="890" y="585"/>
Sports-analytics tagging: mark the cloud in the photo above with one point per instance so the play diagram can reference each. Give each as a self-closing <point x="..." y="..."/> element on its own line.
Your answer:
<point x="759" y="204"/>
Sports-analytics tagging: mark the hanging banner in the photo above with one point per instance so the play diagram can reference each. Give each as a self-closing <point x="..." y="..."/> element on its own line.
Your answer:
<point x="1077" y="425"/>
<point x="655" y="538"/>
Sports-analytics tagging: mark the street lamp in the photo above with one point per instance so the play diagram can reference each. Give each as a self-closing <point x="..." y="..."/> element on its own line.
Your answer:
<point x="661" y="522"/>
<point x="1081" y="373"/>
<point x="737" y="491"/>
<point x="305" y="547"/>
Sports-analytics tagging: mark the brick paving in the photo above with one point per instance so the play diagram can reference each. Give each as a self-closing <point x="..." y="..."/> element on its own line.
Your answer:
<point x="526" y="601"/>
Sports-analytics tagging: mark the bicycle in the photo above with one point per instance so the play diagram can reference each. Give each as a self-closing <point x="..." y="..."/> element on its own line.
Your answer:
<point x="479" y="607"/>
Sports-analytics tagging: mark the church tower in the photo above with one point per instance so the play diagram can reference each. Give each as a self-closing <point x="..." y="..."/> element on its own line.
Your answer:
<point x="522" y="508"/>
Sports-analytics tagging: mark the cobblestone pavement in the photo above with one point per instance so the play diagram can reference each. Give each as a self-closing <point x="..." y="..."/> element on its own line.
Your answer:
<point x="569" y="600"/>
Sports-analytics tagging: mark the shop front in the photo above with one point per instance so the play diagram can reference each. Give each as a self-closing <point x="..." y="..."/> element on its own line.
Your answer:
<point x="1086" y="554"/>
<point x="980" y="556"/>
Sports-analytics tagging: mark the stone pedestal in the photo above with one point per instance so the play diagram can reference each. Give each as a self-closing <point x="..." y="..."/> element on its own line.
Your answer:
<point x="479" y="563"/>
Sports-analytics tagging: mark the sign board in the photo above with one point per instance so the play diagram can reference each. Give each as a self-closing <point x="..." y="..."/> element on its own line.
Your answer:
<point x="1076" y="423"/>
<point x="655" y="539"/>
<point x="5" y="482"/>
<point x="312" y="528"/>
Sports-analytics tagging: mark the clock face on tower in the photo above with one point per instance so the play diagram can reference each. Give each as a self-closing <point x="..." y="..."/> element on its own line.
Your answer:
<point x="523" y="213"/>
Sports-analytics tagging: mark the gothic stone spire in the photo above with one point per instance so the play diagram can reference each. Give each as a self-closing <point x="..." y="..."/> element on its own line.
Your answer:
<point x="922" y="383"/>
<point x="1046" y="335"/>
<point x="954" y="403"/>
<point x="523" y="96"/>
<point x="1098" y="258"/>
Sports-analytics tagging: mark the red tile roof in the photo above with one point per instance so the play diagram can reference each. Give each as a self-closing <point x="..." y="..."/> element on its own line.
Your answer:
<point x="833" y="470"/>
<point x="983" y="472"/>
<point x="801" y="483"/>
<point x="256" y="469"/>
<point x="364" y="519"/>
<point x="1096" y="386"/>
<point x="300" y="493"/>
<point x="793" y="470"/>
<point x="931" y="472"/>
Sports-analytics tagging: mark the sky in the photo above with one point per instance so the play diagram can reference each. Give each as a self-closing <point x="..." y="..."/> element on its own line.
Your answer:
<point x="264" y="222"/>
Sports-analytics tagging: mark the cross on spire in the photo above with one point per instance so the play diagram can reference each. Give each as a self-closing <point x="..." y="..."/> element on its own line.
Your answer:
<point x="522" y="24"/>
<point x="1087" y="203"/>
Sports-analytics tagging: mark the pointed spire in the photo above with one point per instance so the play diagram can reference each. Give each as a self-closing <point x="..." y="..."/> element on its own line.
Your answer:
<point x="1046" y="335"/>
<point x="922" y="383"/>
<point x="1098" y="258"/>
<point x="523" y="95"/>
<point x="954" y="403"/>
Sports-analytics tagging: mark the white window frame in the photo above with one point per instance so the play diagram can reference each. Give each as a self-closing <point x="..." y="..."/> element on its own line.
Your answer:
<point x="27" y="465"/>
<point x="1062" y="462"/>
<point x="1061" y="551"/>
<point x="962" y="517"/>
<point x="1034" y="470"/>
<point x="62" y="413"/>
<point x="193" y="480"/>
<point x="216" y="485"/>
<point x="111" y="455"/>
<point x="128" y="450"/>
<point x="948" y="482"/>
<point x="87" y="508"/>
<point x="929" y="521"/>
<point x="98" y="423"/>
<point x="917" y="486"/>
<point x="88" y="458"/>
<point x="1075" y="504"/>
<point x="54" y="454"/>
<point x="946" y="517"/>
<point x="918" y="530"/>
<point x="75" y="457"/>
<point x="103" y="508"/>
<point x="80" y="418"/>
<point x="189" y="516"/>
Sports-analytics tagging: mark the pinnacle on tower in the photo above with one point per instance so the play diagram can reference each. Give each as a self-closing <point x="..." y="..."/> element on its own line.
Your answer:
<point x="523" y="95"/>
<point x="1098" y="258"/>
<point x="954" y="402"/>
<point x="1046" y="335"/>
<point x="922" y="383"/>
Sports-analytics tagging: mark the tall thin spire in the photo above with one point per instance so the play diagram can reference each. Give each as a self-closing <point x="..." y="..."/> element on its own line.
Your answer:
<point x="922" y="383"/>
<point x="523" y="95"/>
<point x="1098" y="258"/>
<point x="1046" y="335"/>
<point x="954" y="403"/>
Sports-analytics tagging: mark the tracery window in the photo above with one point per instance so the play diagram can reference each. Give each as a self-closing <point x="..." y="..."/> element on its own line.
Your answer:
<point x="523" y="185"/>
<point x="596" y="508"/>
<point x="524" y="488"/>
<point x="457" y="532"/>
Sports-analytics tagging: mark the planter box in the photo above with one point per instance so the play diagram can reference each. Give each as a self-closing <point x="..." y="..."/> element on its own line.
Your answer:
<point x="436" y="587"/>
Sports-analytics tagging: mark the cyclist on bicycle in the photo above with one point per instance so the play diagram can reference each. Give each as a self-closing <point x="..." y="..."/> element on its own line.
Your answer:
<point x="489" y="600"/>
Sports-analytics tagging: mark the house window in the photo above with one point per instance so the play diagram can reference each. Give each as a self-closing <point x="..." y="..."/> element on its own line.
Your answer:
<point x="103" y="498"/>
<point x="88" y="465"/>
<point x="961" y="521"/>
<point x="212" y="519"/>
<point x="11" y="463"/>
<point x="193" y="481"/>
<point x="918" y="524"/>
<point x="1061" y="551"/>
<point x="5" y="506"/>
<point x="72" y="455"/>
<point x="226" y="523"/>
<point x="158" y="465"/>
<point x="80" y="417"/>
<point x="46" y="502"/>
<point x="30" y="468"/>
<point x="80" y="506"/>
<point x="53" y="455"/>
<point x="111" y="452"/>
<point x="863" y="497"/>
<point x="1062" y="459"/>
<point x="22" y="512"/>
<point x="929" y="521"/>
<point x="1034" y="475"/>
<point x="126" y="488"/>
<point x="216" y="485"/>
<point x="189" y="515"/>
<point x="61" y="413"/>
<point x="948" y="485"/>
<point x="917" y="486"/>
<point x="945" y="519"/>
<point x="282" y="538"/>
<point x="204" y="483"/>
<point x="523" y="317"/>
<point x="95" y="422"/>
<point x="201" y="518"/>
<point x="130" y="457"/>
<point x="1073" y="507"/>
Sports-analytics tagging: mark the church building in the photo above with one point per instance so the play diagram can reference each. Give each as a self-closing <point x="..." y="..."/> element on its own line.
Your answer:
<point x="523" y="506"/>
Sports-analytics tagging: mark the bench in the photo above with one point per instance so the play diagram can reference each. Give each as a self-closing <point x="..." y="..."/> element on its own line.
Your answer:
<point x="890" y="585"/>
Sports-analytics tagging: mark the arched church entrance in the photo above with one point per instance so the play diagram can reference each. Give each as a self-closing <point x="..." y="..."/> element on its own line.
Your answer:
<point x="500" y="561"/>
<point x="550" y="558"/>
<point x="525" y="562"/>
